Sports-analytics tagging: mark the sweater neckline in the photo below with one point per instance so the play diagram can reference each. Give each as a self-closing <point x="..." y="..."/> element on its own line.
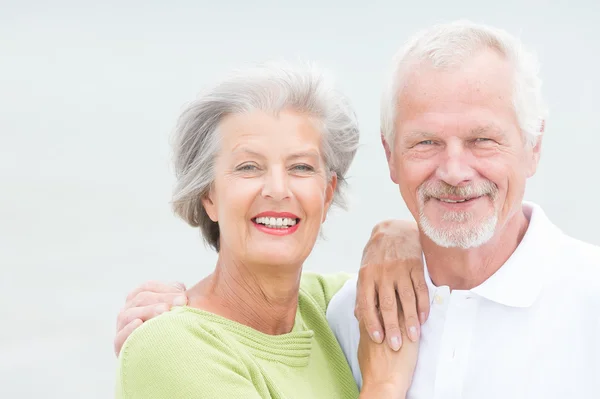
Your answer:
<point x="291" y="348"/>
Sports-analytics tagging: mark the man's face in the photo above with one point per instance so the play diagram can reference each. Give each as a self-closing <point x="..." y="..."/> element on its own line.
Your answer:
<point x="459" y="156"/>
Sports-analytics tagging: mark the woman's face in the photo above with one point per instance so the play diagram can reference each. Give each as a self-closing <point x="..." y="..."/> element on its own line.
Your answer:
<point x="271" y="192"/>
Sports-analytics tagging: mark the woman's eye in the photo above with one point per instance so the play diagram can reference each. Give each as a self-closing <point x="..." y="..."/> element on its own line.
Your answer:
<point x="248" y="167"/>
<point x="303" y="168"/>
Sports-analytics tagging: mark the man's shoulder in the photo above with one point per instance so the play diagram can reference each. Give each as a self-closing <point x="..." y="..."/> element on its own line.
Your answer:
<point x="345" y="298"/>
<point x="576" y="270"/>
<point x="581" y="256"/>
<point x="340" y="313"/>
<point x="340" y="316"/>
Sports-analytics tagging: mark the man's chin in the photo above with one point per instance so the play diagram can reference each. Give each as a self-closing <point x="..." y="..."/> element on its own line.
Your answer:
<point x="459" y="235"/>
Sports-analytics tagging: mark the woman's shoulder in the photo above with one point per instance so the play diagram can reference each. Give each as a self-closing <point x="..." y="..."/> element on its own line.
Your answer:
<point x="175" y="327"/>
<point x="322" y="287"/>
<point x="179" y="331"/>
<point x="176" y="349"/>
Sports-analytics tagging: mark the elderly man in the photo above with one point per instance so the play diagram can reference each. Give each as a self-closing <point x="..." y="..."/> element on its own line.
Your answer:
<point x="515" y="310"/>
<point x="516" y="303"/>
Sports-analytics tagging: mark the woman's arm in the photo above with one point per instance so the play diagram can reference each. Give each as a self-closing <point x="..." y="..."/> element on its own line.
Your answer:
<point x="386" y="374"/>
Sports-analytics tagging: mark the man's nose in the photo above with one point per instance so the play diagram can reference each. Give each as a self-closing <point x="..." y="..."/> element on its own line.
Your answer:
<point x="455" y="167"/>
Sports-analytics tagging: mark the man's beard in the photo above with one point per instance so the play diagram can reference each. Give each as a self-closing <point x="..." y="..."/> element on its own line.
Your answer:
<point x="465" y="232"/>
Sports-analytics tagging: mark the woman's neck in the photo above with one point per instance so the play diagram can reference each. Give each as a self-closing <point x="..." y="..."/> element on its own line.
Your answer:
<point x="262" y="297"/>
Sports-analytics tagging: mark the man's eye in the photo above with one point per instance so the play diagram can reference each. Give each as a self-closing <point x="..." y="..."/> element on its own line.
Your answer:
<point x="482" y="139"/>
<point x="426" y="142"/>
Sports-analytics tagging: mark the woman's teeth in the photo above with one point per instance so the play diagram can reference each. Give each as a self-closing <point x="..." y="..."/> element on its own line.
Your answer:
<point x="276" y="223"/>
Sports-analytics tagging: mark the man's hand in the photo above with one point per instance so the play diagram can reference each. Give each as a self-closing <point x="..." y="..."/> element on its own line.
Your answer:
<point x="145" y="302"/>
<point x="391" y="280"/>
<point x="386" y="373"/>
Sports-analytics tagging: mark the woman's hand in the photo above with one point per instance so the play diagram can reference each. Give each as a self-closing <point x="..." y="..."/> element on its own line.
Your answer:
<point x="386" y="373"/>
<point x="145" y="302"/>
<point x="392" y="267"/>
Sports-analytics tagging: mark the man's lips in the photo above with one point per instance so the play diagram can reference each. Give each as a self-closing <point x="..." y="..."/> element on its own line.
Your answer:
<point x="456" y="199"/>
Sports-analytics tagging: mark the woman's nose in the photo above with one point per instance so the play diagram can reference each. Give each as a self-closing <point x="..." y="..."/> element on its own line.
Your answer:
<point x="276" y="185"/>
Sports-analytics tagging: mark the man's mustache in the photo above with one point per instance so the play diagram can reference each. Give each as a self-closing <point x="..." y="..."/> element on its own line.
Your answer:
<point x="440" y="189"/>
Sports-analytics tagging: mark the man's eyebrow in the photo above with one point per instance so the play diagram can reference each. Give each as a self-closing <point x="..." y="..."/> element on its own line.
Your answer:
<point x="487" y="129"/>
<point x="418" y="135"/>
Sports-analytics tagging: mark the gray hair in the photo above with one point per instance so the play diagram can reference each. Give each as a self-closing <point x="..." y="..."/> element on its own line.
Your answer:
<point x="270" y="87"/>
<point x="447" y="46"/>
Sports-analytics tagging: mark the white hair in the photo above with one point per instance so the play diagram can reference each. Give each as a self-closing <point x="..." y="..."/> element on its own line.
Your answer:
<point x="462" y="235"/>
<point x="270" y="87"/>
<point x="447" y="46"/>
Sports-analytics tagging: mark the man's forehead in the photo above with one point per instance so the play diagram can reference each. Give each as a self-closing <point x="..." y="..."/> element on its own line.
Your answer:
<point x="472" y="130"/>
<point x="483" y="75"/>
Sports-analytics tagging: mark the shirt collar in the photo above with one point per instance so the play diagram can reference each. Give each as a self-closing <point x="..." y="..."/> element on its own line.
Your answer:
<point x="518" y="282"/>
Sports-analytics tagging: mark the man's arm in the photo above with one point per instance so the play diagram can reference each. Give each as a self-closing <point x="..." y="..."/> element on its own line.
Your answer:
<point x="392" y="267"/>
<point x="145" y="302"/>
<point x="391" y="270"/>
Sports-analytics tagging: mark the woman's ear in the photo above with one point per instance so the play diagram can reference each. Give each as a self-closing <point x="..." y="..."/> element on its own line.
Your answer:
<point x="329" y="194"/>
<point x="210" y="206"/>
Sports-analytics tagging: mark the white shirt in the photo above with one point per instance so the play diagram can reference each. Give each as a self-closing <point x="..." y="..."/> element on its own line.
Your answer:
<point x="531" y="330"/>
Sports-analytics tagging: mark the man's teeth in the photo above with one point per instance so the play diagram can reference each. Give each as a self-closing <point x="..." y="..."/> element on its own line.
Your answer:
<point x="275" y="223"/>
<point x="453" y="201"/>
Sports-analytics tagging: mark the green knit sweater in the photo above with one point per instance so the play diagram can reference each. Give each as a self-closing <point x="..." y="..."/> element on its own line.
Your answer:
<point x="191" y="353"/>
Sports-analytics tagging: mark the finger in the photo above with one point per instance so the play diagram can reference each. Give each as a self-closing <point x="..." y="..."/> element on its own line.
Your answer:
<point x="422" y="292"/>
<point x="366" y="306"/>
<point x="157" y="286"/>
<point x="408" y="302"/>
<point x="143" y="313"/>
<point x="388" y="308"/>
<point x="124" y="333"/>
<point x="146" y="298"/>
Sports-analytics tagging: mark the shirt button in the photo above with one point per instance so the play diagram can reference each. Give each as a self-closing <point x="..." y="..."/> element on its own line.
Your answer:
<point x="438" y="299"/>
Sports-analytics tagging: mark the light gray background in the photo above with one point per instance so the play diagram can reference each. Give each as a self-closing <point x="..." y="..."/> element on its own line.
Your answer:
<point x="89" y="94"/>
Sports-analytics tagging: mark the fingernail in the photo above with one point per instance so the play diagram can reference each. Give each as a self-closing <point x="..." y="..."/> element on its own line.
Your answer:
<point x="395" y="341"/>
<point x="422" y="317"/>
<point x="413" y="333"/>
<point x="179" y="286"/>
<point x="377" y="336"/>
<point x="162" y="308"/>
<point x="180" y="300"/>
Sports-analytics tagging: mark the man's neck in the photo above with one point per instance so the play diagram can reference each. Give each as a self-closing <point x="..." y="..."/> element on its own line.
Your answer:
<point x="262" y="297"/>
<point x="463" y="269"/>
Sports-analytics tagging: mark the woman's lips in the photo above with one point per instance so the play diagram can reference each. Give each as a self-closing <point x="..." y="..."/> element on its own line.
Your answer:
<point x="276" y="230"/>
<point x="276" y="223"/>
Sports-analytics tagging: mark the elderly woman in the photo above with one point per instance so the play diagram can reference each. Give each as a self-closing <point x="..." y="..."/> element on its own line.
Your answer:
<point x="260" y="158"/>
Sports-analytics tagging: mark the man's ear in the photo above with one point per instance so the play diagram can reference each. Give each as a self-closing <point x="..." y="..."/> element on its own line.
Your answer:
<point x="536" y="151"/>
<point x="390" y="158"/>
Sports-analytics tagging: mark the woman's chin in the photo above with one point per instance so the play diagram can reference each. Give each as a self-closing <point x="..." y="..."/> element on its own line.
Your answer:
<point x="277" y="257"/>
